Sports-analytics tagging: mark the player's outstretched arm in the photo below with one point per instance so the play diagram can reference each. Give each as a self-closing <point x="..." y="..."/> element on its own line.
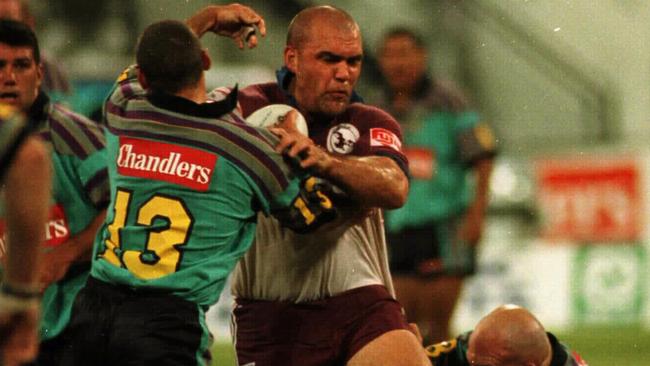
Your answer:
<point x="27" y="193"/>
<point x="234" y="20"/>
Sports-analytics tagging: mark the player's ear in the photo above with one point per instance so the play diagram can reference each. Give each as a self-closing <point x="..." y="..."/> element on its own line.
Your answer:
<point x="39" y="74"/>
<point x="142" y="79"/>
<point x="291" y="58"/>
<point x="205" y="60"/>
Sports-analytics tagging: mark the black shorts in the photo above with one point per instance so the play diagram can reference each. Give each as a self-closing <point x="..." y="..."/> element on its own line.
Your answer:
<point x="431" y="250"/>
<point x="325" y="332"/>
<point x="118" y="325"/>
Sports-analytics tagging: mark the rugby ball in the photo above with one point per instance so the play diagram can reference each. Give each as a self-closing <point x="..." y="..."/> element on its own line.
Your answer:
<point x="271" y="115"/>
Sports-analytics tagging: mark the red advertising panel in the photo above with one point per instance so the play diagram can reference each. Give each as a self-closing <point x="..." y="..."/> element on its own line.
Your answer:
<point x="589" y="200"/>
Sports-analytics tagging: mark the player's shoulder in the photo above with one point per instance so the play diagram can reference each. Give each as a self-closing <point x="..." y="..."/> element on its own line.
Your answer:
<point x="362" y="109"/>
<point x="368" y="118"/>
<point x="256" y="96"/>
<point x="62" y="114"/>
<point x="71" y="133"/>
<point x="562" y="354"/>
<point x="265" y="90"/>
<point x="455" y="119"/>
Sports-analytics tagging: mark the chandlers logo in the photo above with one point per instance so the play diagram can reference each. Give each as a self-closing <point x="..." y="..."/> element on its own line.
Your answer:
<point x="57" y="230"/>
<point x="176" y="164"/>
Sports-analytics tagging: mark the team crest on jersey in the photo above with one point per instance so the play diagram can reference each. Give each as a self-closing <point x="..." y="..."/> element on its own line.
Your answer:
<point x="342" y="137"/>
<point x="384" y="137"/>
<point x="176" y="164"/>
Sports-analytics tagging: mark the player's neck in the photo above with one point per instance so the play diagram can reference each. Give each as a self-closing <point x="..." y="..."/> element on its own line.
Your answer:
<point x="195" y="93"/>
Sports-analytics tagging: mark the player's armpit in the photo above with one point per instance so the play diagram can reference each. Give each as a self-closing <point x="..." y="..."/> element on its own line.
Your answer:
<point x="313" y="207"/>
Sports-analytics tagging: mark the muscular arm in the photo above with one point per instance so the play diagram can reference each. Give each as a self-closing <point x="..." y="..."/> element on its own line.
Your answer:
<point x="235" y="21"/>
<point x="373" y="181"/>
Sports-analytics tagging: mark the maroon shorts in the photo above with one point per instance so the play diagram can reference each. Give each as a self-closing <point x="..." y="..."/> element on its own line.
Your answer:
<point x="323" y="332"/>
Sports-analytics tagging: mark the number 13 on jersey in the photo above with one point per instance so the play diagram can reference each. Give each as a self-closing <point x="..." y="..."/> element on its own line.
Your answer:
<point x="162" y="249"/>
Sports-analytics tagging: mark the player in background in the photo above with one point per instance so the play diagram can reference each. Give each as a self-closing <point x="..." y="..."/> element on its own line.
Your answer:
<point x="54" y="82"/>
<point x="188" y="177"/>
<point x="433" y="238"/>
<point x="79" y="182"/>
<point x="509" y="335"/>
<point x="326" y="298"/>
<point x="25" y="175"/>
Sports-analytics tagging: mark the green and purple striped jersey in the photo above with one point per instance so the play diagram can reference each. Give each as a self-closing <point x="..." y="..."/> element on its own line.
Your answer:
<point x="79" y="193"/>
<point x="187" y="181"/>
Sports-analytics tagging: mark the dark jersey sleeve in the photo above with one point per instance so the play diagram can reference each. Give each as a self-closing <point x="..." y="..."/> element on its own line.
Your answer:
<point x="562" y="355"/>
<point x="449" y="353"/>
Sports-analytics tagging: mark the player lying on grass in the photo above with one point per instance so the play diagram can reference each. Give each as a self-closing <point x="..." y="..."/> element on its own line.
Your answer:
<point x="508" y="336"/>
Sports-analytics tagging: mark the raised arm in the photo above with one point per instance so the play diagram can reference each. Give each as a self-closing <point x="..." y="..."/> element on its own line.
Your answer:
<point x="235" y="21"/>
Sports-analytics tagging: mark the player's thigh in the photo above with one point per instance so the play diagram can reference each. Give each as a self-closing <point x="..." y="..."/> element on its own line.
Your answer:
<point x="161" y="330"/>
<point x="395" y="348"/>
<point x="407" y="292"/>
<point x="86" y="333"/>
<point x="439" y="295"/>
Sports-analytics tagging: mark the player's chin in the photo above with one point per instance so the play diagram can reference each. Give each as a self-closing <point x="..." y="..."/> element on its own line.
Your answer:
<point x="334" y="107"/>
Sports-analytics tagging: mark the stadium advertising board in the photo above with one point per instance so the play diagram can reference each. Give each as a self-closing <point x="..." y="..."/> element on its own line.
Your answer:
<point x="589" y="200"/>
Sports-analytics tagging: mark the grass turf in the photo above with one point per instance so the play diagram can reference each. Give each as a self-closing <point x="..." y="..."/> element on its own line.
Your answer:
<point x="599" y="346"/>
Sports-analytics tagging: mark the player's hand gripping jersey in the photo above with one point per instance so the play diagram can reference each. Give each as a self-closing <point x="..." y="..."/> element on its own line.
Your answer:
<point x="187" y="181"/>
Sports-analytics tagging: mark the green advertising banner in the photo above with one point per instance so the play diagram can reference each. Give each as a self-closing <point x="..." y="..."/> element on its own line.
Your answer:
<point x="608" y="284"/>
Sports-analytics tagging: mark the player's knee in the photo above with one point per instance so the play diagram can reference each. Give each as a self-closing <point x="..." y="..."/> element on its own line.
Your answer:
<point x="395" y="348"/>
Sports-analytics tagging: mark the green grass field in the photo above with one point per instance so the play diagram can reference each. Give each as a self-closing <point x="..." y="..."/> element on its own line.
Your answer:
<point x="599" y="346"/>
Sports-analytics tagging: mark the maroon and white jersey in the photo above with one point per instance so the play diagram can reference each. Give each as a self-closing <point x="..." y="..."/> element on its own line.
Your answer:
<point x="285" y="266"/>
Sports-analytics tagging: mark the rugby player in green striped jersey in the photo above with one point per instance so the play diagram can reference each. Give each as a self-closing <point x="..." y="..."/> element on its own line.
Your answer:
<point x="188" y="178"/>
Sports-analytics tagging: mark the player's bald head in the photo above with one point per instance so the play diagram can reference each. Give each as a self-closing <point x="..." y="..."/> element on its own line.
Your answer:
<point x="308" y="23"/>
<point x="514" y="334"/>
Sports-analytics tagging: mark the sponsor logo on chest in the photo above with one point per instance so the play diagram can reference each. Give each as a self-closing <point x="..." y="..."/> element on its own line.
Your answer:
<point x="161" y="161"/>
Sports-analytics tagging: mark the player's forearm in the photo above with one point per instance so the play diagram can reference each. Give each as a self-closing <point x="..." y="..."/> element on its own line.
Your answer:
<point x="203" y="20"/>
<point x="483" y="171"/>
<point x="374" y="181"/>
<point x="79" y="246"/>
<point x="27" y="192"/>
